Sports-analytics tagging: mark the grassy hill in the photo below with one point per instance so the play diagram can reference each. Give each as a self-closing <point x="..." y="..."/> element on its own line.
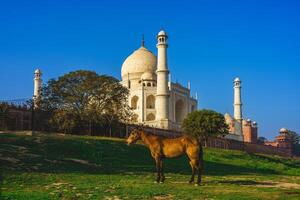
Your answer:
<point x="73" y="167"/>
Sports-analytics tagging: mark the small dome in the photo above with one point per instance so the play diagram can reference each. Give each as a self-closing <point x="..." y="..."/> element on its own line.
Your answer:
<point x="147" y="76"/>
<point x="228" y="118"/>
<point x="227" y="115"/>
<point x="139" y="62"/>
<point x="283" y="130"/>
<point x="246" y="122"/>
<point x="162" y="33"/>
<point x="237" y="79"/>
<point x="37" y="71"/>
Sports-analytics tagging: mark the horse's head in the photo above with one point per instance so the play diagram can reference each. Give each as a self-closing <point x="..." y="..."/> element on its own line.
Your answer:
<point x="134" y="136"/>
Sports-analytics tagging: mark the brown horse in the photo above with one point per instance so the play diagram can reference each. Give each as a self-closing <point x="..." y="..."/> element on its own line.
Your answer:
<point x="161" y="148"/>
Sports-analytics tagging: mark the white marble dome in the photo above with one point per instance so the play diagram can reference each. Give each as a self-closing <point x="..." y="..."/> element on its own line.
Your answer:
<point x="237" y="79"/>
<point x="140" y="61"/>
<point x="283" y="130"/>
<point x="162" y="33"/>
<point x="37" y="71"/>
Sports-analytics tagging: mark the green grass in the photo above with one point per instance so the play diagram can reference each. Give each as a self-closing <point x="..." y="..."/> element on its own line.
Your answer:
<point x="70" y="167"/>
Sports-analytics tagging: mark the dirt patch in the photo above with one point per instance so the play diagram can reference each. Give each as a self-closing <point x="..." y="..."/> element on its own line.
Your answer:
<point x="59" y="184"/>
<point x="17" y="147"/>
<point x="9" y="159"/>
<point x="163" y="197"/>
<point x="32" y="155"/>
<point x="180" y="182"/>
<point x="111" y="189"/>
<point x="52" y="161"/>
<point x="265" y="184"/>
<point x="112" y="198"/>
<point x="279" y="185"/>
<point x="83" y="162"/>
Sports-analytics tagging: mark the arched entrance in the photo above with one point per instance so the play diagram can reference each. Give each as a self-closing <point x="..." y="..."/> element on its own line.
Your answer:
<point x="150" y="102"/>
<point x="179" y="111"/>
<point x="134" y="102"/>
<point x="150" y="117"/>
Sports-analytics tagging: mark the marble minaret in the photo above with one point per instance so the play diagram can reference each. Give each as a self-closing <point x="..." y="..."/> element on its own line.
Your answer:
<point x="37" y="87"/>
<point x="238" y="108"/>
<point x="162" y="95"/>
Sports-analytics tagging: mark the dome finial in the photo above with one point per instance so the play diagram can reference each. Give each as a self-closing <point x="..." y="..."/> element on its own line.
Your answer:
<point x="143" y="40"/>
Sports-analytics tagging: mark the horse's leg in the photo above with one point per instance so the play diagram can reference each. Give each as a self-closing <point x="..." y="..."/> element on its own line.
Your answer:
<point x="193" y="172"/>
<point x="200" y="171"/>
<point x="191" y="157"/>
<point x="194" y="167"/>
<point x="162" y="176"/>
<point x="200" y="166"/>
<point x="157" y="160"/>
<point x="194" y="157"/>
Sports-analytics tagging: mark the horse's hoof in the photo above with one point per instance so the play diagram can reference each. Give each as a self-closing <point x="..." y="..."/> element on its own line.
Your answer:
<point x="196" y="185"/>
<point x="161" y="182"/>
<point x="156" y="182"/>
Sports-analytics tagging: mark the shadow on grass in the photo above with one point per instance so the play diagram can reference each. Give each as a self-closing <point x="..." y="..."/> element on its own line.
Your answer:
<point x="81" y="155"/>
<point x="268" y="158"/>
<point x="246" y="182"/>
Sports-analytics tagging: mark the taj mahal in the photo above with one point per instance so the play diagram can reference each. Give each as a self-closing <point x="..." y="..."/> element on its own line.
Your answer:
<point x="156" y="101"/>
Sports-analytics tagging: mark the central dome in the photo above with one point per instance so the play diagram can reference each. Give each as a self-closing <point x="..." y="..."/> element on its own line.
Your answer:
<point x="140" y="61"/>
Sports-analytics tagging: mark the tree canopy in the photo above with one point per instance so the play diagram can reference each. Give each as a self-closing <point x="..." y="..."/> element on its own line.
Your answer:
<point x="295" y="137"/>
<point x="84" y="96"/>
<point x="204" y="123"/>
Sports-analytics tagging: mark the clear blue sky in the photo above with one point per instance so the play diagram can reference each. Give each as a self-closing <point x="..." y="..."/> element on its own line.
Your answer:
<point x="210" y="43"/>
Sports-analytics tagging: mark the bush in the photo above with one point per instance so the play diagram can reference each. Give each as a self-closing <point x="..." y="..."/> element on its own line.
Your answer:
<point x="204" y="123"/>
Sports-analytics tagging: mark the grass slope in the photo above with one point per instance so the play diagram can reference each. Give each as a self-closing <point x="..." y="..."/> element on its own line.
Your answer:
<point x="70" y="167"/>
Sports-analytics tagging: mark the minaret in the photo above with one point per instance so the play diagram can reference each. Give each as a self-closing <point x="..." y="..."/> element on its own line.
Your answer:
<point x="237" y="99"/>
<point x="162" y="95"/>
<point x="238" y="106"/>
<point x="37" y="87"/>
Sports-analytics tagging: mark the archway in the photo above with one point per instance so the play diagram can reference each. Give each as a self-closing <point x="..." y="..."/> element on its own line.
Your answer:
<point x="134" y="102"/>
<point x="150" y="117"/>
<point x="150" y="102"/>
<point x="135" y="118"/>
<point x="179" y="111"/>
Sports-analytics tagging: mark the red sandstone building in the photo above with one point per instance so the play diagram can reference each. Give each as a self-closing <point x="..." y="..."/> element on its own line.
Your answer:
<point x="283" y="140"/>
<point x="250" y="131"/>
<point x="250" y="134"/>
